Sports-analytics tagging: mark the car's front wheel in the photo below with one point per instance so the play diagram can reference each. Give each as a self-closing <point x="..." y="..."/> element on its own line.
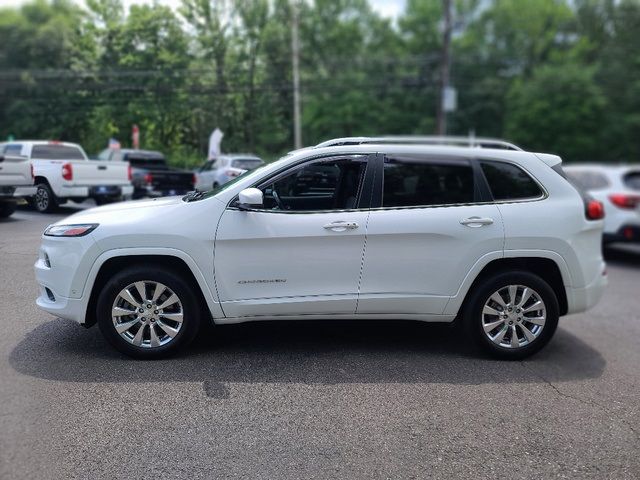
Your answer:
<point x="512" y="315"/>
<point x="148" y="312"/>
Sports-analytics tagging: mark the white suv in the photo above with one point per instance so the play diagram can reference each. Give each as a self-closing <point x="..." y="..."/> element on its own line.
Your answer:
<point x="618" y="188"/>
<point x="365" y="228"/>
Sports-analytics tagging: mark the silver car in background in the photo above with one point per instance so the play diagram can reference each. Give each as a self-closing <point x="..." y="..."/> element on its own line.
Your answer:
<point x="216" y="172"/>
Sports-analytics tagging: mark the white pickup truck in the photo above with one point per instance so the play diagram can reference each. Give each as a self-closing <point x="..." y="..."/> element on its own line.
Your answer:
<point x="16" y="181"/>
<point x="63" y="171"/>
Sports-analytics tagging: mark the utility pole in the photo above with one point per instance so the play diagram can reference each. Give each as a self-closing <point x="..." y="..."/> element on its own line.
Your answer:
<point x="295" y="61"/>
<point x="444" y="67"/>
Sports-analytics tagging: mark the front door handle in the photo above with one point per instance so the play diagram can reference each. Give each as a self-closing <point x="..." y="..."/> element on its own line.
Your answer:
<point x="341" y="226"/>
<point x="475" y="222"/>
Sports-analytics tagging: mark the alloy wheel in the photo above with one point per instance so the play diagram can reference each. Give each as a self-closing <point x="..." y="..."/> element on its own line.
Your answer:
<point x="147" y="314"/>
<point x="514" y="316"/>
<point x="42" y="199"/>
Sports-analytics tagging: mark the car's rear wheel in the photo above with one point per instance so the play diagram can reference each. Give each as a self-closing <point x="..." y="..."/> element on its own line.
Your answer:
<point x="44" y="200"/>
<point x="512" y="315"/>
<point x="148" y="313"/>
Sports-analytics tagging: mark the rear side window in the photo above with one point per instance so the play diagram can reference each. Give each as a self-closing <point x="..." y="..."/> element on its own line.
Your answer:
<point x="632" y="180"/>
<point x="56" y="152"/>
<point x="413" y="182"/>
<point x="509" y="182"/>
<point x="588" y="179"/>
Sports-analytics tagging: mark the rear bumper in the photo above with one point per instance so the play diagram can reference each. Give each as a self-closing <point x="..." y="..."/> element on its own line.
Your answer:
<point x="25" y="192"/>
<point x="584" y="298"/>
<point x="110" y="191"/>
<point x="626" y="233"/>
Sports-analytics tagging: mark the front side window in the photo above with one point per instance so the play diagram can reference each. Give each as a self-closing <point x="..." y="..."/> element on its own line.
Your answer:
<point x="318" y="186"/>
<point x="509" y="182"/>
<point x="412" y="182"/>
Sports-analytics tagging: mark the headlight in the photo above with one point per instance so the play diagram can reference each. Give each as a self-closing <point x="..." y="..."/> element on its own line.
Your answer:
<point x="70" y="230"/>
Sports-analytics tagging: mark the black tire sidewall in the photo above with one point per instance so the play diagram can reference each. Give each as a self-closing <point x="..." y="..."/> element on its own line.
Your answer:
<point x="51" y="206"/>
<point x="7" y="209"/>
<point x="171" y="279"/>
<point x="473" y="313"/>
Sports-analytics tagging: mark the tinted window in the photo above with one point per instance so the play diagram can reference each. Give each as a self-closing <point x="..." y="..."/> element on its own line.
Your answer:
<point x="509" y="182"/>
<point x="13" y="149"/>
<point x="56" y="152"/>
<point x="414" y="182"/>
<point x="632" y="180"/>
<point x="246" y="163"/>
<point x="330" y="185"/>
<point x="588" y="180"/>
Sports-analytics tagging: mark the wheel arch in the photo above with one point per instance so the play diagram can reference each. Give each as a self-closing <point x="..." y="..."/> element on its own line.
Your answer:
<point x="552" y="271"/>
<point x="112" y="262"/>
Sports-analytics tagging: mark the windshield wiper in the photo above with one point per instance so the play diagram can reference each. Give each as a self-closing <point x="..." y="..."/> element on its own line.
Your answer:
<point x="195" y="195"/>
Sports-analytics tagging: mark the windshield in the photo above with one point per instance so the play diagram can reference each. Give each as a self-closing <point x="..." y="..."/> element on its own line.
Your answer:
<point x="254" y="174"/>
<point x="246" y="163"/>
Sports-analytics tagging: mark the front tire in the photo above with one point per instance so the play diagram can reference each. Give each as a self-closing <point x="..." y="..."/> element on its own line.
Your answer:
<point x="7" y="209"/>
<point x="512" y="315"/>
<point x="148" y="312"/>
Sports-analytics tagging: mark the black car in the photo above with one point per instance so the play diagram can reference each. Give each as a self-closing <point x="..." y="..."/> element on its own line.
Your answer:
<point x="151" y="176"/>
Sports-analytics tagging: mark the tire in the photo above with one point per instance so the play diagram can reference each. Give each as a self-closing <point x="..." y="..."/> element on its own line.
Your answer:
<point x="141" y="346"/>
<point x="7" y="209"/>
<point x="45" y="200"/>
<point x="502" y="345"/>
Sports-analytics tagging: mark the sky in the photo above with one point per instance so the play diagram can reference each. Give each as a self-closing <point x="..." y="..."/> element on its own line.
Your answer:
<point x="388" y="8"/>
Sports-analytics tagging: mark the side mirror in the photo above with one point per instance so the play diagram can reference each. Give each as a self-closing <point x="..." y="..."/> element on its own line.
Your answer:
<point x="250" y="198"/>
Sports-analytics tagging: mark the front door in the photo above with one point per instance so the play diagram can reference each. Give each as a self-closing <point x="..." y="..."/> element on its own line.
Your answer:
<point x="302" y="252"/>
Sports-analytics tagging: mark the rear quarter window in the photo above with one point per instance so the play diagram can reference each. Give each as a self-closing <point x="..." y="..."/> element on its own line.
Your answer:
<point x="632" y="180"/>
<point x="509" y="182"/>
<point x="588" y="179"/>
<point x="56" y="152"/>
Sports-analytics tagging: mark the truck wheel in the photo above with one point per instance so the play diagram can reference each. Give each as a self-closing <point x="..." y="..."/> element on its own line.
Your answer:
<point x="7" y="209"/>
<point x="148" y="312"/>
<point x="512" y="315"/>
<point x="44" y="201"/>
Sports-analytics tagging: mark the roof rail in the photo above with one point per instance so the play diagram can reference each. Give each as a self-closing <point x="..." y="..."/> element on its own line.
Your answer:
<point x="423" y="140"/>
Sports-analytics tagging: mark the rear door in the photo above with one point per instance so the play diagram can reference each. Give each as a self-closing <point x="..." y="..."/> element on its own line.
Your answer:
<point x="302" y="252"/>
<point x="429" y="228"/>
<point x="15" y="169"/>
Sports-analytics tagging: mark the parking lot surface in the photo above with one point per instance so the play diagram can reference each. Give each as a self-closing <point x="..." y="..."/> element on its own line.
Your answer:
<point x="363" y="399"/>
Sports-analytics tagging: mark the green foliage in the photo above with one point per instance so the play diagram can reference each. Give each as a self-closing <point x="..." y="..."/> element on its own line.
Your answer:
<point x="554" y="75"/>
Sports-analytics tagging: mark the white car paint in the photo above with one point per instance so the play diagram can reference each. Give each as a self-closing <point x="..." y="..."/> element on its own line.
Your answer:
<point x="85" y="173"/>
<point x="16" y="174"/>
<point x="602" y="182"/>
<point x="221" y="170"/>
<point x="415" y="263"/>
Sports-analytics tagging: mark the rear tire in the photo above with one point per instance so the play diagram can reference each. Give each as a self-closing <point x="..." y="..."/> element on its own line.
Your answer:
<point x="45" y="200"/>
<point x="497" y="310"/>
<point x="166" y="322"/>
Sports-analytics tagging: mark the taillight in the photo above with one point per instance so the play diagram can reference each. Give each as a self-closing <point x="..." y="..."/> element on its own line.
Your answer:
<point x="67" y="171"/>
<point x="129" y="173"/>
<point x="194" y="179"/>
<point x="148" y="178"/>
<point x="595" y="210"/>
<point x="623" y="200"/>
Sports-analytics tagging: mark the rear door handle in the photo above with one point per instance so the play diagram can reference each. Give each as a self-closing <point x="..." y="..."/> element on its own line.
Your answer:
<point x="341" y="226"/>
<point x="475" y="222"/>
<point x="102" y="167"/>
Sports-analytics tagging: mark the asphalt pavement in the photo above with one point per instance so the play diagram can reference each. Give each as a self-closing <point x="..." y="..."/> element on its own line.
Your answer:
<point x="334" y="399"/>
